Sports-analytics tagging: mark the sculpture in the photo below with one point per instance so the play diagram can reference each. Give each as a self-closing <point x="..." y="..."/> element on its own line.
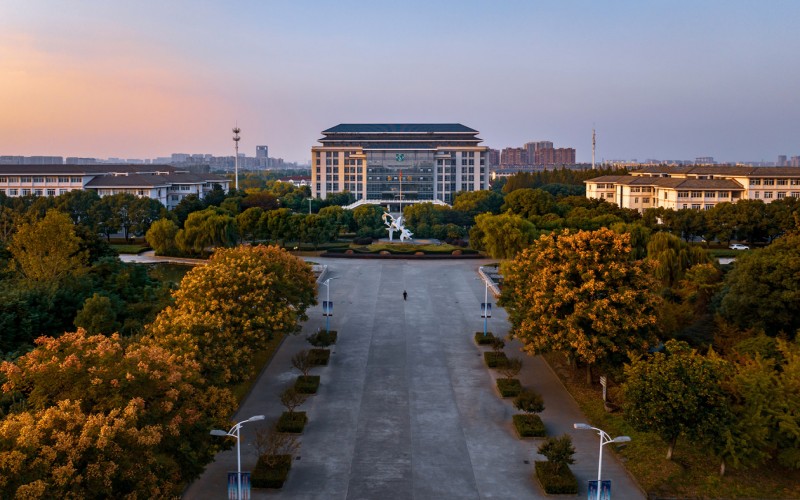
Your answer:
<point x="396" y="225"/>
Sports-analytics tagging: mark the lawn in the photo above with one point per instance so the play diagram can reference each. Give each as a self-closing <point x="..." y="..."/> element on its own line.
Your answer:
<point x="692" y="472"/>
<point x="129" y="248"/>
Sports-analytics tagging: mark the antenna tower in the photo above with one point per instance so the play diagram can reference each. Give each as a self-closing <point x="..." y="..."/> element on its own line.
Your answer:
<point x="236" y="138"/>
<point x="593" y="146"/>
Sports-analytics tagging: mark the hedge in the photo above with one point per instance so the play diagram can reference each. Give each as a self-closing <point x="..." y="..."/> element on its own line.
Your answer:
<point x="482" y="339"/>
<point x="319" y="357"/>
<point x="323" y="338"/>
<point x="307" y="384"/>
<point x="293" y="422"/>
<point x="529" y="425"/>
<point x="554" y="481"/>
<point x="264" y="476"/>
<point x="509" y="388"/>
<point x="495" y="359"/>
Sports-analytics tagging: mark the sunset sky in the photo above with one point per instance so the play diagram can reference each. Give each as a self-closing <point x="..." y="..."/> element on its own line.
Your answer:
<point x="140" y="79"/>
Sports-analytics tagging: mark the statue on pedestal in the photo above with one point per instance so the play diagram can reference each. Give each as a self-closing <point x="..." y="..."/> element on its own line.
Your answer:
<point x="396" y="225"/>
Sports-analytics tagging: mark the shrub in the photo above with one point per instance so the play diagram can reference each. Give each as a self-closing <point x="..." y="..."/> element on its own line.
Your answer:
<point x="307" y="384"/>
<point x="323" y="338"/>
<point x="494" y="359"/>
<point x="509" y="387"/>
<point x="271" y="476"/>
<point x="529" y="401"/>
<point x="302" y="361"/>
<point x="291" y="399"/>
<point x="293" y="422"/>
<point x="319" y="357"/>
<point x="362" y="240"/>
<point x="511" y="368"/>
<point x="554" y="480"/>
<point x="482" y="339"/>
<point x="529" y="425"/>
<point x="498" y="344"/>
<point x="558" y="451"/>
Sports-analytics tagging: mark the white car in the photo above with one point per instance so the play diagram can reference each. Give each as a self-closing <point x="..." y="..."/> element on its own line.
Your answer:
<point x="739" y="246"/>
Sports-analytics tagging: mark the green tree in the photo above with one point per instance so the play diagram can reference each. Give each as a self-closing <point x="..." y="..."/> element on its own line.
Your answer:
<point x="676" y="392"/>
<point x="205" y="230"/>
<point x="672" y="257"/>
<point x="48" y="251"/>
<point x="106" y="216"/>
<point x="478" y="202"/>
<point x="529" y="202"/>
<point x="763" y="289"/>
<point x="504" y="235"/>
<point x="580" y="294"/>
<point x="161" y="237"/>
<point x="368" y="220"/>
<point x="98" y="315"/>
<point x="249" y="223"/>
<point x="558" y="451"/>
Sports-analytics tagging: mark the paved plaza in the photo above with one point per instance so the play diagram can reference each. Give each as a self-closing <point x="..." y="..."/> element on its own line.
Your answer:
<point x="406" y="408"/>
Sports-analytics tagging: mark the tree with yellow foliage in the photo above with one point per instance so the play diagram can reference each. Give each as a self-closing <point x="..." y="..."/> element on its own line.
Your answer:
<point x="228" y="309"/>
<point x="580" y="294"/>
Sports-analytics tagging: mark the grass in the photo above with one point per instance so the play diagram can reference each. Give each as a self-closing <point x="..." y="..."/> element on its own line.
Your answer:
<point x="260" y="360"/>
<point x="131" y="249"/>
<point x="692" y="472"/>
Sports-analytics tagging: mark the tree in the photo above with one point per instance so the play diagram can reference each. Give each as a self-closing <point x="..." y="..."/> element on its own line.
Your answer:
<point x="302" y="361"/>
<point x="529" y="402"/>
<point x="48" y="251"/>
<point x="478" y="202"/>
<point x="511" y="368"/>
<point x="529" y="202"/>
<point x="98" y="315"/>
<point x="161" y="236"/>
<point x="504" y="235"/>
<point x="189" y="204"/>
<point x="249" y="223"/>
<point x="205" y="230"/>
<point x="675" y="392"/>
<point x="763" y="289"/>
<point x="672" y="257"/>
<point x="142" y="213"/>
<point x="276" y="224"/>
<point x="226" y="310"/>
<point x="291" y="398"/>
<point x="368" y="220"/>
<point x="106" y="216"/>
<point x="580" y="294"/>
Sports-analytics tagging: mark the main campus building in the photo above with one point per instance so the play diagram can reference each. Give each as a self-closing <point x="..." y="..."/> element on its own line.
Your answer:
<point x="390" y="163"/>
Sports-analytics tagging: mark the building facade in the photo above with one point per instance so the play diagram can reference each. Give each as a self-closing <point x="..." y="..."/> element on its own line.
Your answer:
<point x="695" y="187"/>
<point x="403" y="163"/>
<point x="164" y="183"/>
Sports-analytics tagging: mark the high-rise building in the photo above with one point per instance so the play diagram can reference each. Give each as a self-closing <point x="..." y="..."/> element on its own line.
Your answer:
<point x="262" y="151"/>
<point x="533" y="147"/>
<point x="554" y="156"/>
<point x="514" y="156"/>
<point x="386" y="163"/>
<point x="494" y="157"/>
<point x="781" y="161"/>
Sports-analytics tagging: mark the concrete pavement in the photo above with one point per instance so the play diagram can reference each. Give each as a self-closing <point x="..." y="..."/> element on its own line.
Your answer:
<point x="406" y="408"/>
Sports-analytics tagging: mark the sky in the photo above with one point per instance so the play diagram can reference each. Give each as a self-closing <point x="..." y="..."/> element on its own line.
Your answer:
<point x="658" y="79"/>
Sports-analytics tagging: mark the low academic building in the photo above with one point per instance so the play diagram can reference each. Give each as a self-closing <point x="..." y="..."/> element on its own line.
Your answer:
<point x="164" y="183"/>
<point x="698" y="187"/>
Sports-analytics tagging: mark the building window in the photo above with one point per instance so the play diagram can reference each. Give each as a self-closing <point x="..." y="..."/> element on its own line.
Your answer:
<point x="51" y="192"/>
<point x="723" y="194"/>
<point x="685" y="206"/>
<point x="13" y="192"/>
<point x="635" y="200"/>
<point x="645" y="200"/>
<point x="26" y="180"/>
<point x="782" y="182"/>
<point x="769" y="182"/>
<point x="681" y="194"/>
<point x="38" y="179"/>
<point x="755" y="182"/>
<point x="51" y="180"/>
<point x="781" y="194"/>
<point x="697" y="194"/>
<point x="75" y="180"/>
<point x="795" y="194"/>
<point x="795" y="182"/>
<point x="4" y="180"/>
<point x="695" y="206"/>
<point x="62" y="191"/>
<point x="38" y="192"/>
<point x="711" y="194"/>
<point x="756" y="195"/>
<point x="64" y="180"/>
<point x="767" y="194"/>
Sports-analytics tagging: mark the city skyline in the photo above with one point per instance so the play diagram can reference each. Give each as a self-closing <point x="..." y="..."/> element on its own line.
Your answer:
<point x="676" y="80"/>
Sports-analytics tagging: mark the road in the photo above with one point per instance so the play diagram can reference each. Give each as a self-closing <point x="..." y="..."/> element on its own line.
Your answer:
<point x="407" y="408"/>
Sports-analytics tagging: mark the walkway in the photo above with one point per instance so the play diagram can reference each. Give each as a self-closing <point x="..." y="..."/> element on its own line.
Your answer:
<point x="407" y="408"/>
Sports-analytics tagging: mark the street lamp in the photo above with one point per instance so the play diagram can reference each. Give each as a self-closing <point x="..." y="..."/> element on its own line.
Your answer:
<point x="234" y="432"/>
<point x="486" y="308"/>
<point x="327" y="305"/>
<point x="604" y="440"/>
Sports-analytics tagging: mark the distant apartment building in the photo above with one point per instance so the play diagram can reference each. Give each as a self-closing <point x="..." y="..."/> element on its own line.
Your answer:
<point x="781" y="161"/>
<point x="164" y="183"/>
<point x="31" y="160"/>
<point x="704" y="160"/>
<point x="695" y="187"/>
<point x="494" y="157"/>
<point x="514" y="156"/>
<point x="386" y="163"/>
<point x="554" y="156"/>
<point x="795" y="161"/>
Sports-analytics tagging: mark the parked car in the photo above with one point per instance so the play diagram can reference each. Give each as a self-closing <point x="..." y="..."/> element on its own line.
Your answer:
<point x="739" y="246"/>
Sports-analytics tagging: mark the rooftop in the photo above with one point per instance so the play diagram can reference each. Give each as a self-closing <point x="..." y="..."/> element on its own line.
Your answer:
<point x="399" y="128"/>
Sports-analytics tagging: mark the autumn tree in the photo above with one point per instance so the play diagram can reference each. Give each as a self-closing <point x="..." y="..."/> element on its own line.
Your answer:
<point x="226" y="310"/>
<point x="47" y="251"/>
<point x="676" y="392"/>
<point x="580" y="294"/>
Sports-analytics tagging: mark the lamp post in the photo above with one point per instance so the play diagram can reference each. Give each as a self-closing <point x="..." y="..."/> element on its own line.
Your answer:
<point x="486" y="307"/>
<point x="327" y="307"/>
<point x="234" y="432"/>
<point x="236" y="139"/>
<point x="604" y="440"/>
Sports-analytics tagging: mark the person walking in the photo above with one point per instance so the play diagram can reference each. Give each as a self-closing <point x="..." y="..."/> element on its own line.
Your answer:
<point x="405" y="295"/>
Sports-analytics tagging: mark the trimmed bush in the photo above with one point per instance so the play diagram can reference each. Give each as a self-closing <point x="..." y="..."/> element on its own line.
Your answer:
<point x="528" y="425"/>
<point x="484" y="340"/>
<point x="271" y="471"/>
<point x="307" y="384"/>
<point x="556" y="480"/>
<point x="323" y="338"/>
<point x="319" y="357"/>
<point x="529" y="401"/>
<point x="509" y="387"/>
<point x="494" y="359"/>
<point x="293" y="422"/>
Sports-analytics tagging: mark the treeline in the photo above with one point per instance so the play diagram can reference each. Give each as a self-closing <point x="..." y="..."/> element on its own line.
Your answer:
<point x="107" y="416"/>
<point x="689" y="351"/>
